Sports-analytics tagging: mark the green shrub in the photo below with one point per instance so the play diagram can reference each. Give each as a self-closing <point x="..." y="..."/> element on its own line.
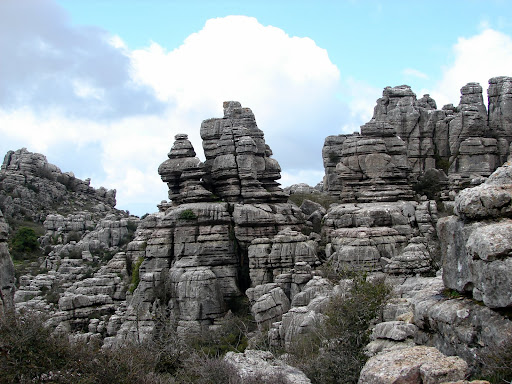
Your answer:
<point x="135" y="275"/>
<point x="335" y="353"/>
<point x="24" y="243"/>
<point x="187" y="214"/>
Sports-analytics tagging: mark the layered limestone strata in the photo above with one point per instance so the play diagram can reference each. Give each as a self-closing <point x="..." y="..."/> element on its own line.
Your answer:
<point x="197" y="255"/>
<point x="398" y="238"/>
<point x="238" y="163"/>
<point x="407" y="137"/>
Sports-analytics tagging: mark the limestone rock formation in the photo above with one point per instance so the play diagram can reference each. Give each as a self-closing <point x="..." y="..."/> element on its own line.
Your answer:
<point x="238" y="161"/>
<point x="407" y="137"/>
<point x="392" y="237"/>
<point x="6" y="271"/>
<point x="198" y="256"/>
<point x="183" y="173"/>
<point x="30" y="187"/>
<point x="476" y="244"/>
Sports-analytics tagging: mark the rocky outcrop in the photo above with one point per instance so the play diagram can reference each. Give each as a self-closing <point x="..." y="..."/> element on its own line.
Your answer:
<point x="199" y="255"/>
<point x="30" y="187"/>
<point x="476" y="242"/>
<point x="6" y="271"/>
<point x="238" y="161"/>
<point x="500" y="113"/>
<point x="407" y="137"/>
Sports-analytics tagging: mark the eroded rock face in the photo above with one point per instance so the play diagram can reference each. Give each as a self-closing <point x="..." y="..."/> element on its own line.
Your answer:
<point x="477" y="244"/>
<point x="500" y="113"/>
<point x="32" y="187"/>
<point x="407" y="137"/>
<point x="238" y="163"/>
<point x="6" y="271"/>
<point x="198" y="255"/>
<point x="393" y="237"/>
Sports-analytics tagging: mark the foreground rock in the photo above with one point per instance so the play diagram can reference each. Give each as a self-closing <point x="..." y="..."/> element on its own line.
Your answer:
<point x="263" y="367"/>
<point x="415" y="365"/>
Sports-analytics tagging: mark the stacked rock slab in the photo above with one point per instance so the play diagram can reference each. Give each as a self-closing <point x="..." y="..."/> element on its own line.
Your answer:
<point x="6" y="271"/>
<point x="196" y="250"/>
<point x="395" y="237"/>
<point x="183" y="173"/>
<point x="238" y="161"/>
<point x="465" y="142"/>
<point x="476" y="242"/>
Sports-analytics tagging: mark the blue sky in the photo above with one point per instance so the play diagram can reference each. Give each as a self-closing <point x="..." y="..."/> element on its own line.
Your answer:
<point x="102" y="87"/>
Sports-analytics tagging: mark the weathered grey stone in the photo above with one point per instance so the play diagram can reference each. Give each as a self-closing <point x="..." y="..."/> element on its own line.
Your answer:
<point x="7" y="279"/>
<point x="263" y="366"/>
<point x="415" y="365"/>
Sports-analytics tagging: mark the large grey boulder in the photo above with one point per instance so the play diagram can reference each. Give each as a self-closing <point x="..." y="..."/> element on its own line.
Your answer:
<point x="262" y="366"/>
<point x="414" y="365"/>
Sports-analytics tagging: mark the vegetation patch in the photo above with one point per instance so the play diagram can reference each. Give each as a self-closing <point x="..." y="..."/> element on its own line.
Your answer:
<point x="187" y="214"/>
<point x="24" y="244"/>
<point x="135" y="275"/>
<point x="335" y="353"/>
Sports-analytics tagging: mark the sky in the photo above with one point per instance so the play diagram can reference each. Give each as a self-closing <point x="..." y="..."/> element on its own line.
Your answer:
<point x="101" y="87"/>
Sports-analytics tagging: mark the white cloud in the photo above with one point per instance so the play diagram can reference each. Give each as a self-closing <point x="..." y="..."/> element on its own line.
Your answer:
<point x="362" y="100"/>
<point x="414" y="73"/>
<point x="289" y="82"/>
<point x="477" y="59"/>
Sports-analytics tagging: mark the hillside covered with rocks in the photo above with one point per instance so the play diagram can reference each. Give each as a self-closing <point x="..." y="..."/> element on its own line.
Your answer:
<point x="396" y="268"/>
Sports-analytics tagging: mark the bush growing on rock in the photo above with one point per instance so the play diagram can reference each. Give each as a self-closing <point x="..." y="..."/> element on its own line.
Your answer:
<point x="187" y="214"/>
<point x="24" y="243"/>
<point x="335" y="353"/>
<point x="135" y="275"/>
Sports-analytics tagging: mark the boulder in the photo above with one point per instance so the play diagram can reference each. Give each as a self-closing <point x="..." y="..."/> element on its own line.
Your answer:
<point x="414" y="365"/>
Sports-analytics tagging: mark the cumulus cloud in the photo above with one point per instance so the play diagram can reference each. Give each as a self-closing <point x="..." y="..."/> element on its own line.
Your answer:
<point x="477" y="59"/>
<point x="288" y="82"/>
<point x="94" y="107"/>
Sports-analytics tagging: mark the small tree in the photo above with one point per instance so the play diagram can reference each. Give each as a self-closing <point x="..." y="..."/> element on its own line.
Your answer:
<point x="24" y="242"/>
